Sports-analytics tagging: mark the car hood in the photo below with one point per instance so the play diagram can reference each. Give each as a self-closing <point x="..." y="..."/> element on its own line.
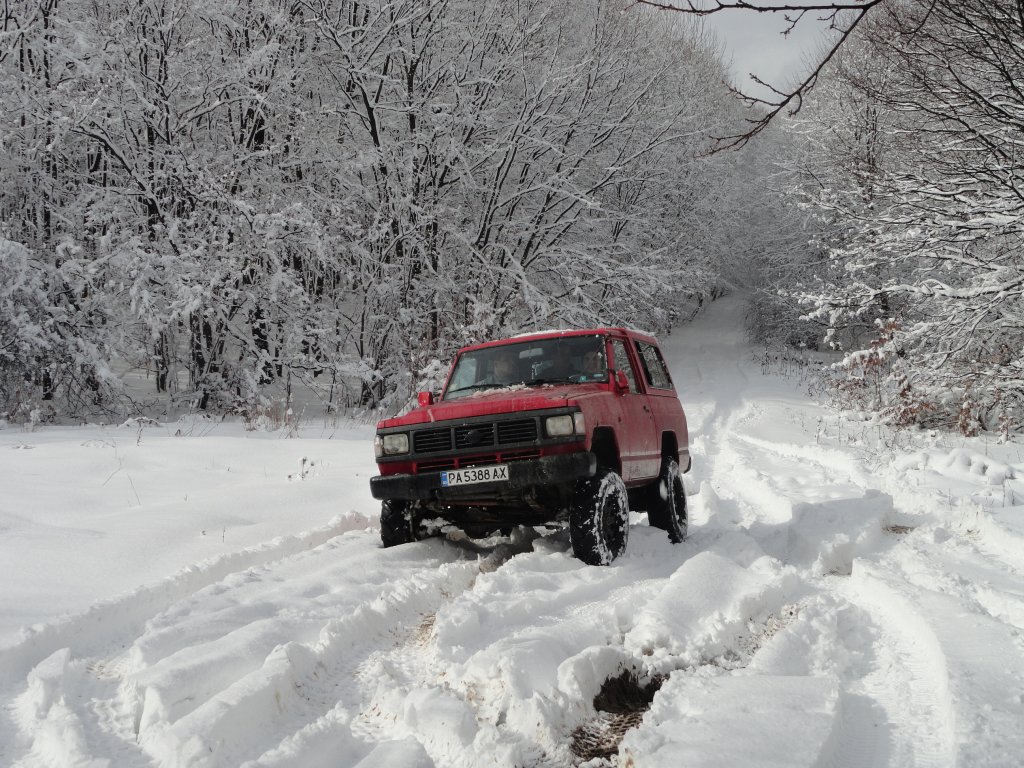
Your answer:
<point x="498" y="401"/>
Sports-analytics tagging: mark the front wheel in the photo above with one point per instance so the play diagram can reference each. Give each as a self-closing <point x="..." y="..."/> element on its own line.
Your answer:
<point x="666" y="507"/>
<point x="400" y="522"/>
<point x="599" y="519"/>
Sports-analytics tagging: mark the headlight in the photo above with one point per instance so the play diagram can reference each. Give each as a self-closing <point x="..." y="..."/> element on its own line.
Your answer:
<point x="561" y="426"/>
<point x="391" y="445"/>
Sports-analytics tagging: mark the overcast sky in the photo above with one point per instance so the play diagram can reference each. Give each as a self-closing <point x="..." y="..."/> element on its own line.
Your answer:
<point x="755" y="43"/>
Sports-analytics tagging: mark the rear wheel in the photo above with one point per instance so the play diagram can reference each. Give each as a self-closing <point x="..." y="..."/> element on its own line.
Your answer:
<point x="400" y="522"/>
<point x="666" y="507"/>
<point x="599" y="519"/>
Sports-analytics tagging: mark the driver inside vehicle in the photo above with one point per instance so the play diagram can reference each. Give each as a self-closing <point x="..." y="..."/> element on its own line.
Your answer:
<point x="504" y="368"/>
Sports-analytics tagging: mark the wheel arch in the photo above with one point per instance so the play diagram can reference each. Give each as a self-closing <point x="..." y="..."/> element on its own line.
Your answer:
<point x="669" y="446"/>
<point x="605" y="446"/>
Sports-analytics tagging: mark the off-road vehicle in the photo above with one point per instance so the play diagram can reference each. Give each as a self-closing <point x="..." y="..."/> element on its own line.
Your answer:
<point x="557" y="428"/>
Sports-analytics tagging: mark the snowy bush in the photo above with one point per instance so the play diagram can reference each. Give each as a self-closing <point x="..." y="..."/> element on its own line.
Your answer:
<point x="49" y="353"/>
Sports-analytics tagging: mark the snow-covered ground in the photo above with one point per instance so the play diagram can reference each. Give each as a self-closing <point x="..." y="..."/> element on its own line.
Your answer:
<point x="195" y="595"/>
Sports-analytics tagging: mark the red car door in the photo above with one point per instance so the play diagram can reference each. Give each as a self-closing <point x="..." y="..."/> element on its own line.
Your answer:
<point x="662" y="397"/>
<point x="638" y="449"/>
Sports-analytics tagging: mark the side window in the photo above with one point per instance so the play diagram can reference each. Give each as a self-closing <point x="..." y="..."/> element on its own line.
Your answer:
<point x="622" y="362"/>
<point x="654" y="366"/>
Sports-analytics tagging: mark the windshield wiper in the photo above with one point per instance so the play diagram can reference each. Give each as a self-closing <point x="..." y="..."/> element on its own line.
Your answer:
<point x="530" y="383"/>
<point x="557" y="380"/>
<point x="491" y="385"/>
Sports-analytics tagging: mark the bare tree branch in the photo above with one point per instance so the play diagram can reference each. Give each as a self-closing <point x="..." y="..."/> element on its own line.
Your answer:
<point x="842" y="17"/>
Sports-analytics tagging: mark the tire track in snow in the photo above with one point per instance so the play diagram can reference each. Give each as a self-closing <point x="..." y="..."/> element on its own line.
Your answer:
<point x="969" y="559"/>
<point x="739" y="522"/>
<point x="51" y="720"/>
<point x="189" y="692"/>
<point x="301" y="684"/>
<point x="104" y="623"/>
<point x="961" y="565"/>
<point x="1000" y="536"/>
<point x="113" y="624"/>
<point x="709" y="438"/>
<point x="927" y="667"/>
<point x="414" y="689"/>
<point x="515" y="696"/>
<point x="908" y="681"/>
<point x="316" y="686"/>
<point x="819" y="524"/>
<point x="368" y="712"/>
<point x="886" y="710"/>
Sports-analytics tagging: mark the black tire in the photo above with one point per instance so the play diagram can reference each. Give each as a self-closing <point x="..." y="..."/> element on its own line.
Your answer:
<point x="399" y="522"/>
<point x="599" y="519"/>
<point x="666" y="506"/>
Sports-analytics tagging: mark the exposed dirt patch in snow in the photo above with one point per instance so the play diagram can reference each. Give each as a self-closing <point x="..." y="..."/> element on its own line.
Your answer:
<point x="620" y="705"/>
<point x="899" y="530"/>
<point x="425" y="631"/>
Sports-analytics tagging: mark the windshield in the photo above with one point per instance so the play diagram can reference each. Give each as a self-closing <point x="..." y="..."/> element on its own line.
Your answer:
<point x="529" y="363"/>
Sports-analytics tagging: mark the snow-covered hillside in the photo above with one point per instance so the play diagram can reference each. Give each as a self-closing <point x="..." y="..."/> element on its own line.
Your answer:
<point x="200" y="596"/>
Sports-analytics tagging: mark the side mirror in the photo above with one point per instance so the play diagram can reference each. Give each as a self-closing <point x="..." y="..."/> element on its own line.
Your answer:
<point x="425" y="398"/>
<point x="621" y="382"/>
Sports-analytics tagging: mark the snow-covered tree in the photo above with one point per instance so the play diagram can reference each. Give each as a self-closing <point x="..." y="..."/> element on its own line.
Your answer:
<point x="239" y="197"/>
<point x="932" y="247"/>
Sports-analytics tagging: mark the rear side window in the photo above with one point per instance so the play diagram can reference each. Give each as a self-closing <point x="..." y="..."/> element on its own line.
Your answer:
<point x="654" y="366"/>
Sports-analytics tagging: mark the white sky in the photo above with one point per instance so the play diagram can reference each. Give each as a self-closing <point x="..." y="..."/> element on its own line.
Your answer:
<point x="755" y="43"/>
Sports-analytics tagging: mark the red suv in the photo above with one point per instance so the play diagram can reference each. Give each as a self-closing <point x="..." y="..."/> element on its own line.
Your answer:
<point x="561" y="427"/>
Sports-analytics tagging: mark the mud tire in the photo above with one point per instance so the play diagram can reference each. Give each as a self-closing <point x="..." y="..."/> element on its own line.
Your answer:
<point x="666" y="506"/>
<point x="599" y="519"/>
<point x="400" y="522"/>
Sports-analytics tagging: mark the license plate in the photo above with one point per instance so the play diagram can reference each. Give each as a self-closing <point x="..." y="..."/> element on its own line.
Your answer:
<point x="496" y="473"/>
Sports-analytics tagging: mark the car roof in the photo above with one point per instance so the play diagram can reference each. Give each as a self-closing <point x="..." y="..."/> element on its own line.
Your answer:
<point x="554" y="334"/>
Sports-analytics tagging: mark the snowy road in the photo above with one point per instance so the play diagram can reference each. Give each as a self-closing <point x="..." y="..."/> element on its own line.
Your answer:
<point x="844" y="599"/>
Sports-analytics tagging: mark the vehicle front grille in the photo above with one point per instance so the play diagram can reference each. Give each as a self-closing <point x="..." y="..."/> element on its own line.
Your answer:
<point x="474" y="435"/>
<point x="432" y="440"/>
<point x="479" y="435"/>
<point x="520" y="455"/>
<point x="435" y="465"/>
<point x="480" y="460"/>
<point x="518" y="431"/>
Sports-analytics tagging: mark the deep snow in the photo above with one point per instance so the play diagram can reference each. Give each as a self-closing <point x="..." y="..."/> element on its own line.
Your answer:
<point x="194" y="595"/>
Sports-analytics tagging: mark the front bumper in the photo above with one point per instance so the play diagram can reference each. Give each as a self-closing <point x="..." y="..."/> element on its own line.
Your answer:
<point x="547" y="470"/>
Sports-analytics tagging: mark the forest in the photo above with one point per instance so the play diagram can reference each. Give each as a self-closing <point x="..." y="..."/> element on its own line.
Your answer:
<point x="232" y="206"/>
